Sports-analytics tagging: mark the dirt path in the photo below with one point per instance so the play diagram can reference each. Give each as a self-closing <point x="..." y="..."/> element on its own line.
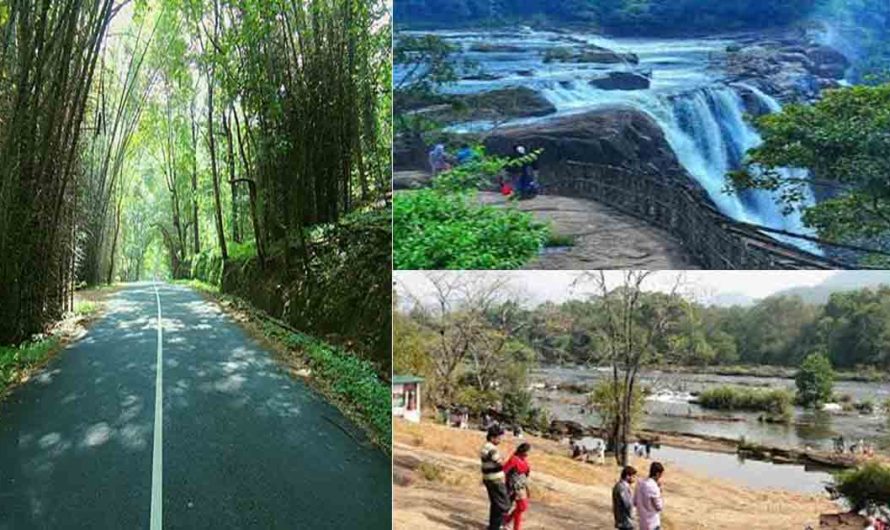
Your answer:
<point x="436" y="487"/>
<point x="604" y="238"/>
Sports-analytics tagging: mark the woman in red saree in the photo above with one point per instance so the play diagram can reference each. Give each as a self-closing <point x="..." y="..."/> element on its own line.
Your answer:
<point x="517" y="471"/>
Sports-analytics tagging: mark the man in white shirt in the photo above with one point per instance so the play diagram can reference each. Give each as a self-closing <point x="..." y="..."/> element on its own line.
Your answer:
<point x="647" y="499"/>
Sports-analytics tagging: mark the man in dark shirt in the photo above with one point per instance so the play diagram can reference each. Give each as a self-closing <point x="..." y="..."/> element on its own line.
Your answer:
<point x="622" y="499"/>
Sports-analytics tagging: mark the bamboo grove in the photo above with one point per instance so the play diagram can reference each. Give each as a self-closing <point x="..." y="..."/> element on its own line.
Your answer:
<point x="135" y="134"/>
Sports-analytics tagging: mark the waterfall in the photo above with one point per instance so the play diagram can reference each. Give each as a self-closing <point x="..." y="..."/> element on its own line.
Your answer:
<point x="707" y="129"/>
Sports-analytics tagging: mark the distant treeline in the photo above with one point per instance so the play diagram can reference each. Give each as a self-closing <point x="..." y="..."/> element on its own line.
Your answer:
<point x="852" y="329"/>
<point x="654" y="16"/>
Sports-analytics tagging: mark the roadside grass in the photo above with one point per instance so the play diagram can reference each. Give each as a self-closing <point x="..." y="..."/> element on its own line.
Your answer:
<point x="350" y="383"/>
<point x="20" y="361"/>
<point x="198" y="285"/>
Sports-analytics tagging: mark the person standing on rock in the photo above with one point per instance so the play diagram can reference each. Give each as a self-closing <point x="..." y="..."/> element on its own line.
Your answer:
<point x="517" y="472"/>
<point x="622" y="499"/>
<point x="523" y="173"/>
<point x="494" y="479"/>
<point x="438" y="157"/>
<point x="647" y="498"/>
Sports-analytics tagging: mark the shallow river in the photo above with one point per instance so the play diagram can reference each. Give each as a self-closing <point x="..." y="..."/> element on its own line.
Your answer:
<point x="665" y="410"/>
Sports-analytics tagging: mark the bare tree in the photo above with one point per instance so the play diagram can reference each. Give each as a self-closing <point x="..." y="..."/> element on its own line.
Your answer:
<point x="459" y="308"/>
<point x="634" y="322"/>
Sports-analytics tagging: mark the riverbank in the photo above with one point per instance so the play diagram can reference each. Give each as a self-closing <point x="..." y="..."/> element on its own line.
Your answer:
<point x="436" y="486"/>
<point x="863" y="375"/>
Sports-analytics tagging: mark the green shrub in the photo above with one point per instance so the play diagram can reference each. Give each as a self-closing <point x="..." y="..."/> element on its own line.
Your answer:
<point x="814" y="380"/>
<point x="242" y="251"/>
<point x="867" y="484"/>
<point x="434" y="230"/>
<point x="348" y="377"/>
<point x="776" y="402"/>
<point x="14" y="360"/>
<point x="431" y="472"/>
<point x="207" y="266"/>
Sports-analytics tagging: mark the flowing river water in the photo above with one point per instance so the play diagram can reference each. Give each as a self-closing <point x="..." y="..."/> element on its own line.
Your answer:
<point x="670" y="408"/>
<point x="703" y="116"/>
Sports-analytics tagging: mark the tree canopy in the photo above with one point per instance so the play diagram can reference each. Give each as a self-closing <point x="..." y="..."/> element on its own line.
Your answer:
<point x="655" y="16"/>
<point x="136" y="136"/>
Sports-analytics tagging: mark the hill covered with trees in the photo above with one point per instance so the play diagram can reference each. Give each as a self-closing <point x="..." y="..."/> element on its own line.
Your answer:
<point x="620" y="16"/>
<point x="852" y="329"/>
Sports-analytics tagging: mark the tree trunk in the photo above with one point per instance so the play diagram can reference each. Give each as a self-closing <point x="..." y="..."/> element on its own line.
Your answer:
<point x="220" y="230"/>
<point x="117" y="230"/>
<point x="230" y="159"/>
<point x="195" y="222"/>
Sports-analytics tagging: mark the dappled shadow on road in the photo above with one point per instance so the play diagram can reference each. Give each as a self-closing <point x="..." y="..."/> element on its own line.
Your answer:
<point x="88" y="412"/>
<point x="274" y="451"/>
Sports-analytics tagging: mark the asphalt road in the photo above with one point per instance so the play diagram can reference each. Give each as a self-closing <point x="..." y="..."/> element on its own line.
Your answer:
<point x="242" y="445"/>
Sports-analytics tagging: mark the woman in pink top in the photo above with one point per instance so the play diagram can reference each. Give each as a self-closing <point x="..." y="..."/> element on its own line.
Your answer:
<point x="647" y="499"/>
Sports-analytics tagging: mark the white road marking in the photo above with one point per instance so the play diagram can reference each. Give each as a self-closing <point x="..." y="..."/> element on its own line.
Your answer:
<point x="157" y="458"/>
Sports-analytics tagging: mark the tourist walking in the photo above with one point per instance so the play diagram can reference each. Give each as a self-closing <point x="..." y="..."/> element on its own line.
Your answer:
<point x="517" y="471"/>
<point x="622" y="499"/>
<point x="647" y="499"/>
<point x="438" y="158"/>
<point x="494" y="479"/>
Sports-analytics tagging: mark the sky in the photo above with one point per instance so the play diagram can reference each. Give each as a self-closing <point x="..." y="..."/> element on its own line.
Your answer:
<point x="535" y="287"/>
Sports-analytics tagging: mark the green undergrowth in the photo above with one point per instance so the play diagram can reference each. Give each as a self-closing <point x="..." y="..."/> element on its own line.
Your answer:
<point x="350" y="382"/>
<point x="559" y="240"/>
<point x="17" y="361"/>
<point x="199" y="285"/>
<point x="775" y="402"/>
<point x="85" y="308"/>
<point x="433" y="229"/>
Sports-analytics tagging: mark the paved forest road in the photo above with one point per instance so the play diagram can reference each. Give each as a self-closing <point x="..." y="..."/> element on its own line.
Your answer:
<point x="244" y="444"/>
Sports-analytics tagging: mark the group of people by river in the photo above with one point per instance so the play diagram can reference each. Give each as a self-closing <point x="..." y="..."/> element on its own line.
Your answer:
<point x="856" y="448"/>
<point x="520" y="181"/>
<point x="507" y="484"/>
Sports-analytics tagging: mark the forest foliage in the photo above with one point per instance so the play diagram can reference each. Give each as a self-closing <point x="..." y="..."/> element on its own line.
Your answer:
<point x="842" y="141"/>
<point x="851" y="330"/>
<point x="193" y="132"/>
<point x="655" y="16"/>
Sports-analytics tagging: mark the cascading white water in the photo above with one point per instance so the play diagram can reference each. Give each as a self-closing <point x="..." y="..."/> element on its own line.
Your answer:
<point x="707" y="129"/>
<point x="703" y="118"/>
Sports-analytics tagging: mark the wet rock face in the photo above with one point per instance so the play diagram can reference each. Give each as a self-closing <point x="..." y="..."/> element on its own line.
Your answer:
<point x="622" y="81"/>
<point x="515" y="102"/>
<point x="792" y="70"/>
<point x="589" y="54"/>
<point x="620" y="137"/>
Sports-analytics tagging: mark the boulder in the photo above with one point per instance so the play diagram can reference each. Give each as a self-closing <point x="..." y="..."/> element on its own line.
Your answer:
<point x="754" y="105"/>
<point x="482" y="76"/>
<point x="827" y="55"/>
<point x="616" y="136"/>
<point x="513" y="102"/>
<point x="622" y="81"/>
<point x="483" y="47"/>
<point x="589" y="54"/>
<point x="566" y="428"/>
